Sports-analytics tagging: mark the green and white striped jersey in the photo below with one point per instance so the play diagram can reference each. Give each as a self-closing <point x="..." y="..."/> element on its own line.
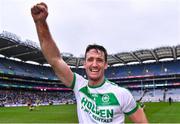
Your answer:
<point x="107" y="103"/>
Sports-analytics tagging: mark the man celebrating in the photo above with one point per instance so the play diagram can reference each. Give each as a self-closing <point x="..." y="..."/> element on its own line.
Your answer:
<point x="98" y="100"/>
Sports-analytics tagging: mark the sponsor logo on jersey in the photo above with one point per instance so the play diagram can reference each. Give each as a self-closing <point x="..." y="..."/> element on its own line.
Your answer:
<point x="99" y="106"/>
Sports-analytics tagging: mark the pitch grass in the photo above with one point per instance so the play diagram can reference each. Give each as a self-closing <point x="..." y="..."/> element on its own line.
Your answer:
<point x="156" y="113"/>
<point x="162" y="112"/>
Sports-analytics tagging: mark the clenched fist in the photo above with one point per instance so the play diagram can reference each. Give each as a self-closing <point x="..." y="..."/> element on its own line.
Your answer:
<point x="39" y="12"/>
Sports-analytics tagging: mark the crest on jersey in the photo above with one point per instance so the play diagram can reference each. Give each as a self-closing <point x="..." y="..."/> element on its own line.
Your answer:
<point x="105" y="98"/>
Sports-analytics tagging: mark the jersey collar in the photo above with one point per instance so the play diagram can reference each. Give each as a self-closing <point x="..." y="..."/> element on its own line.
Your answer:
<point x="97" y="86"/>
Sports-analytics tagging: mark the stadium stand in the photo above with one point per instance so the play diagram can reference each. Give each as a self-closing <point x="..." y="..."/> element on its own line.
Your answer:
<point x="21" y="97"/>
<point x="21" y="81"/>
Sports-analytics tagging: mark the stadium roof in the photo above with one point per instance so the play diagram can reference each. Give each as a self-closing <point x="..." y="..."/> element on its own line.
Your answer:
<point x="12" y="46"/>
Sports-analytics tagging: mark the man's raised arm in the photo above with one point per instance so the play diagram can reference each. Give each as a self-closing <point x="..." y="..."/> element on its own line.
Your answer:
<point x="49" y="48"/>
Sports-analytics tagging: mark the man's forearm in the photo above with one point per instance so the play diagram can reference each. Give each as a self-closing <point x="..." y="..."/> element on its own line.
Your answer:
<point x="43" y="31"/>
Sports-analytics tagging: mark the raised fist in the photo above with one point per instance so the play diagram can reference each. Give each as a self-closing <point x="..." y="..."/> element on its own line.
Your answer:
<point x="39" y="12"/>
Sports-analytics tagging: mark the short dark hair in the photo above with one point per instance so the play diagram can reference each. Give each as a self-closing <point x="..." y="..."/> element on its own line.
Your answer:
<point x="97" y="47"/>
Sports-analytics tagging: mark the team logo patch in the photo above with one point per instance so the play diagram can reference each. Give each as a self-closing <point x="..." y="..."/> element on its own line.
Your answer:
<point x="105" y="98"/>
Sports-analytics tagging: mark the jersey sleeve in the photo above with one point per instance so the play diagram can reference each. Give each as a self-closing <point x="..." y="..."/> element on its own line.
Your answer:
<point x="128" y="103"/>
<point x="78" y="82"/>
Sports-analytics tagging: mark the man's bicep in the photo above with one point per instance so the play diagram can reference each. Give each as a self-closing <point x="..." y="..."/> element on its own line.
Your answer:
<point x="63" y="72"/>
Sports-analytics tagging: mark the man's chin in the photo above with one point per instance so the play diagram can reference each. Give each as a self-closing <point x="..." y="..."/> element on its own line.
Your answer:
<point x="94" y="78"/>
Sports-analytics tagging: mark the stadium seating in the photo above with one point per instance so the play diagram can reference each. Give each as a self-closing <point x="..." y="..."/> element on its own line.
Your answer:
<point x="37" y="77"/>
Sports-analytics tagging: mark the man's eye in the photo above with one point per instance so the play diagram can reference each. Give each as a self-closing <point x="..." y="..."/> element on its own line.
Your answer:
<point x="99" y="60"/>
<point x="90" y="59"/>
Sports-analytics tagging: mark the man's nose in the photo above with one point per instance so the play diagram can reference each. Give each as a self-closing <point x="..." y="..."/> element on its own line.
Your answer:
<point x="94" y="63"/>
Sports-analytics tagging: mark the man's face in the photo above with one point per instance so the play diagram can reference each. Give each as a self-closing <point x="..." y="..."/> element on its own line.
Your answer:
<point x="95" y="64"/>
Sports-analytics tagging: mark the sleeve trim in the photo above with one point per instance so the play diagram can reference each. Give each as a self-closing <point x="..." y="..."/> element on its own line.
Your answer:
<point x="73" y="82"/>
<point x="133" y="110"/>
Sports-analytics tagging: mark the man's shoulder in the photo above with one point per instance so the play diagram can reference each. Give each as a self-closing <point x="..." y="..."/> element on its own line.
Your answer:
<point x="79" y="80"/>
<point x="79" y="77"/>
<point x="121" y="93"/>
<point x="115" y="85"/>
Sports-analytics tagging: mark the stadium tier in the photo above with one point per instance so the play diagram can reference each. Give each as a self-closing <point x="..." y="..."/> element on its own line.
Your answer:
<point x="148" y="81"/>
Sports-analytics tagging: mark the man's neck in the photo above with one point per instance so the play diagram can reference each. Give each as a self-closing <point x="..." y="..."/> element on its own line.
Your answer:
<point x="97" y="83"/>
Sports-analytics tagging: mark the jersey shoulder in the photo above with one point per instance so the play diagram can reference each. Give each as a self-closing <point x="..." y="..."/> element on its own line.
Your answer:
<point x="116" y="86"/>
